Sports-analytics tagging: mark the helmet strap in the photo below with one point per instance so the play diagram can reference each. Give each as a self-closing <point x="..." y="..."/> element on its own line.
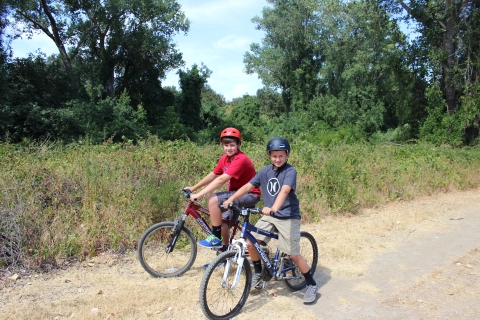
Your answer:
<point x="278" y="169"/>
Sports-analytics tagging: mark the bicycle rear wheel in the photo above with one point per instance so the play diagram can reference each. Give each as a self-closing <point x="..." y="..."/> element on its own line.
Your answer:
<point x="219" y="301"/>
<point x="309" y="251"/>
<point x="152" y="250"/>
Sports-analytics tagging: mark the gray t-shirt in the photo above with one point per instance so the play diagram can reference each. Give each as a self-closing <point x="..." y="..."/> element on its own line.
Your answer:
<point x="272" y="182"/>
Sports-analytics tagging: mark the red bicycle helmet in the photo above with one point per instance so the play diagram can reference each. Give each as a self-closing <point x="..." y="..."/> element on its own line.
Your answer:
<point x="231" y="132"/>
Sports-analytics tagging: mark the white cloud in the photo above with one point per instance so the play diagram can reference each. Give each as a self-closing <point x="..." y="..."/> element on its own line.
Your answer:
<point x="233" y="42"/>
<point x="232" y="82"/>
<point x="230" y="70"/>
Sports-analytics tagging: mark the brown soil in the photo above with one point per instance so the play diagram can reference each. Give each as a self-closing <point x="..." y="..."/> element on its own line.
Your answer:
<point x="415" y="260"/>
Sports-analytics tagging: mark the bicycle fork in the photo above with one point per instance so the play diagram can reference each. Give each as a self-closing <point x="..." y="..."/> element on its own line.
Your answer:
<point x="239" y="246"/>
<point x="177" y="227"/>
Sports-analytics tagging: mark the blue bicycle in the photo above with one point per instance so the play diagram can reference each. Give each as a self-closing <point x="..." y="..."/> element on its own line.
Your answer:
<point x="226" y="283"/>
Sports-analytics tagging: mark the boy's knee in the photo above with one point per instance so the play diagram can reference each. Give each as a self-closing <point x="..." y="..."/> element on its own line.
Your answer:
<point x="213" y="197"/>
<point x="295" y="258"/>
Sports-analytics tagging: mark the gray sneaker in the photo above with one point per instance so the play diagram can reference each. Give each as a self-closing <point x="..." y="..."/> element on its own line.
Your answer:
<point x="256" y="280"/>
<point x="310" y="294"/>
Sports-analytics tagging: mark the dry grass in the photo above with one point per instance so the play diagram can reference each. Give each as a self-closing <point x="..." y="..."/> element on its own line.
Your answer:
<point x="82" y="200"/>
<point x="116" y="287"/>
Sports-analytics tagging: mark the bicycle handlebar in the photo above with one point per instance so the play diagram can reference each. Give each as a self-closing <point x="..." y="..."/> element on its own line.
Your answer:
<point x="244" y="211"/>
<point x="186" y="193"/>
<point x="234" y="207"/>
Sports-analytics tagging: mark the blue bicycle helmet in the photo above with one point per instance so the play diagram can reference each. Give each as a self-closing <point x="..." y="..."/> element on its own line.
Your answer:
<point x="277" y="144"/>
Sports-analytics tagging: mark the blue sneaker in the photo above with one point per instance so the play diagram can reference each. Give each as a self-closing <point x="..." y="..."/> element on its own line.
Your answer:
<point x="211" y="242"/>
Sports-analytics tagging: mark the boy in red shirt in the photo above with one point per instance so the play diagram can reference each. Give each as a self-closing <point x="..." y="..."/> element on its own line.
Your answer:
<point x="234" y="168"/>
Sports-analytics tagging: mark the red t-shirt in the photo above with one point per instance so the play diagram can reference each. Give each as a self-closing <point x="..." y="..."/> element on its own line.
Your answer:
<point x="241" y="170"/>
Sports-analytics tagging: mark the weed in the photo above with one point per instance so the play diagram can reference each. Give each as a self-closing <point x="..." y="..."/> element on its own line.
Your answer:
<point x="78" y="200"/>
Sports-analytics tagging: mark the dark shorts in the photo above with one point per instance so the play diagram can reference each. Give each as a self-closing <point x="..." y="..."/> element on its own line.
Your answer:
<point x="248" y="200"/>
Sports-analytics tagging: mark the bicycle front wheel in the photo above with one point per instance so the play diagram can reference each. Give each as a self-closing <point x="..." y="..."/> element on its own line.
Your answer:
<point x="217" y="299"/>
<point x="309" y="251"/>
<point x="153" y="246"/>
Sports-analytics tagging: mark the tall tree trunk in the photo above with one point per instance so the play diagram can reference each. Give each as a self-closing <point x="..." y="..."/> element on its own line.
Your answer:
<point x="67" y="62"/>
<point x="448" y="63"/>
<point x="108" y="74"/>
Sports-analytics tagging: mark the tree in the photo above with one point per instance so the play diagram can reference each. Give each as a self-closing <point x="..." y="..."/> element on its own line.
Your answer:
<point x="289" y="57"/>
<point x="35" y="88"/>
<point x="192" y="82"/>
<point x="449" y="32"/>
<point x="270" y="101"/>
<point x="365" y="67"/>
<point x="213" y="109"/>
<point x="110" y="37"/>
<point x="449" y="37"/>
<point x="3" y="25"/>
<point x="338" y="62"/>
<point x="4" y="122"/>
<point x="245" y="115"/>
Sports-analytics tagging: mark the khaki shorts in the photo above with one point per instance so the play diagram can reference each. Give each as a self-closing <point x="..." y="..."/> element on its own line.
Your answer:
<point x="288" y="233"/>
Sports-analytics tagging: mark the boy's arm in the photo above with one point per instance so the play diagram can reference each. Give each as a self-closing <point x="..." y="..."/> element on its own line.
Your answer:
<point x="282" y="195"/>
<point x="238" y="194"/>
<point x="206" y="180"/>
<point x="213" y="185"/>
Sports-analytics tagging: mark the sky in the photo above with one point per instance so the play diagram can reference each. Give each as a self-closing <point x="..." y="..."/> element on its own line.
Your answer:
<point x="221" y="31"/>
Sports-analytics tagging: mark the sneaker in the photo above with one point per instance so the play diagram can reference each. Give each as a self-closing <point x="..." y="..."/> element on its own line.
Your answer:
<point x="211" y="242"/>
<point x="310" y="294"/>
<point x="256" y="280"/>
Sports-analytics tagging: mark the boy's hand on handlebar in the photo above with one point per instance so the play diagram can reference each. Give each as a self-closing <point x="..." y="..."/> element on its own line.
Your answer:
<point x="266" y="211"/>
<point x="226" y="203"/>
<point x="194" y="197"/>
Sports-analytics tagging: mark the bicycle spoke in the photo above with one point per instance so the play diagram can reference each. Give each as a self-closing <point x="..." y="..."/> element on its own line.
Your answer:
<point x="217" y="299"/>
<point x="153" y="247"/>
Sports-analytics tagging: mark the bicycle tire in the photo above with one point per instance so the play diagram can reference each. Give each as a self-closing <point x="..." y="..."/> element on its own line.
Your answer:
<point x="219" y="302"/>
<point x="154" y="259"/>
<point x="309" y="251"/>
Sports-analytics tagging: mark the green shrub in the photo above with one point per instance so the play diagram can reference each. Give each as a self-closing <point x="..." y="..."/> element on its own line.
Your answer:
<point x="59" y="201"/>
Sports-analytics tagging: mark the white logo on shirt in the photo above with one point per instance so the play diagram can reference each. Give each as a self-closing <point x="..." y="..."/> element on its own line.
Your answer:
<point x="273" y="186"/>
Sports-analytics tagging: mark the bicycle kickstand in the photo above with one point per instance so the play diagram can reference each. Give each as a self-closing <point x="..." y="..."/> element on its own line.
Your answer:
<point x="264" y="285"/>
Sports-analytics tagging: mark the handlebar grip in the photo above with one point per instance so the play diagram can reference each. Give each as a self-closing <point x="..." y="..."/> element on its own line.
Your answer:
<point x="187" y="193"/>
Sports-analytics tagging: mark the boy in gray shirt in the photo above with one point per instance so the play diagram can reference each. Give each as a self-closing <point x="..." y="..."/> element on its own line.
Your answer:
<point x="281" y="212"/>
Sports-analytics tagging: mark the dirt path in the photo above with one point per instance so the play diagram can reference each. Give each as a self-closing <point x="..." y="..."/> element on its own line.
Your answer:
<point x="432" y="276"/>
<point x="416" y="260"/>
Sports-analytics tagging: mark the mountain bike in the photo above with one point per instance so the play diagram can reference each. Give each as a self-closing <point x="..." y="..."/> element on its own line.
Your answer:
<point x="168" y="249"/>
<point x="225" y="285"/>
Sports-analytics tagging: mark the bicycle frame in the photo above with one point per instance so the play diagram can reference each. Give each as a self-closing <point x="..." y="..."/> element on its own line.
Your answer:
<point x="196" y="210"/>
<point x="240" y="246"/>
